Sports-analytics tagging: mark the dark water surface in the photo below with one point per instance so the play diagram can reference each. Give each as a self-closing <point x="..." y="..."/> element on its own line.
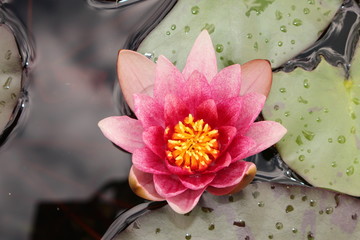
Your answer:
<point x="60" y="178"/>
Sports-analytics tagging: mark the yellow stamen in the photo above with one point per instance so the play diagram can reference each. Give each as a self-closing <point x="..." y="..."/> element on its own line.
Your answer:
<point x="193" y="145"/>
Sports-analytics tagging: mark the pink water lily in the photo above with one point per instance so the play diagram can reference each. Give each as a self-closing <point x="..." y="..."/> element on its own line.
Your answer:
<point x="194" y="127"/>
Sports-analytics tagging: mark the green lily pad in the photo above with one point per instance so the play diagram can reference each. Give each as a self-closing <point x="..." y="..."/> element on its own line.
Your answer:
<point x="241" y="30"/>
<point x="10" y="75"/>
<point x="321" y="111"/>
<point x="260" y="211"/>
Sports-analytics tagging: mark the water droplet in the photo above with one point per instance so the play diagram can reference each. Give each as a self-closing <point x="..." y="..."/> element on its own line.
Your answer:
<point x="341" y="139"/>
<point x="280" y="43"/>
<point x="209" y="27"/>
<point x="311" y="2"/>
<point x="354" y="216"/>
<point x="350" y="171"/>
<point x="306" y="83"/>
<point x="330" y="140"/>
<point x="187" y="29"/>
<point x="299" y="140"/>
<point x="310" y="236"/>
<point x="261" y="204"/>
<point x="211" y="227"/>
<point x="279" y="225"/>
<point x="283" y="28"/>
<point x="286" y="114"/>
<point x="294" y="230"/>
<point x="271" y="236"/>
<point x="356" y="160"/>
<point x="356" y="101"/>
<point x="157" y="230"/>
<point x="292" y="197"/>
<point x="282" y="90"/>
<point x="289" y="208"/>
<point x="173" y="27"/>
<point x="167" y="32"/>
<point x="206" y="209"/>
<point x="353" y="130"/>
<point x="278" y="120"/>
<point x="240" y="223"/>
<point x="266" y="40"/>
<point x="306" y="11"/>
<point x="318" y="119"/>
<point x="195" y="10"/>
<point x="188" y="236"/>
<point x="321" y="212"/>
<point x="219" y="48"/>
<point x="7" y="83"/>
<point x="256" y="46"/>
<point x="278" y="15"/>
<point x="333" y="164"/>
<point x="353" y="115"/>
<point x="301" y="158"/>
<point x="13" y="96"/>
<point x="304" y="198"/>
<point x="255" y="194"/>
<point x="329" y="210"/>
<point x="297" y="22"/>
<point x="326" y="110"/>
<point x="249" y="35"/>
<point x="8" y="55"/>
<point x="293" y="7"/>
<point x="231" y="199"/>
<point x="276" y="107"/>
<point x="312" y="203"/>
<point x="308" y="135"/>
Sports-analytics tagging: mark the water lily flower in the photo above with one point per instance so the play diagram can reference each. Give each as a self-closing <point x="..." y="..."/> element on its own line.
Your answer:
<point x="194" y="127"/>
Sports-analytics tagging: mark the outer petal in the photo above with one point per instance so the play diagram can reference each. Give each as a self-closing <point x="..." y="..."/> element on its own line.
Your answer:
<point x="148" y="111"/>
<point x="168" y="80"/>
<point x="265" y="134"/>
<point x="198" y="90"/>
<point x="185" y="202"/>
<point x="135" y="72"/>
<point x="175" y="110"/>
<point x="207" y="111"/>
<point x="196" y="181"/>
<point x="229" y="111"/>
<point x="123" y="131"/>
<point x="154" y="139"/>
<point x="142" y="185"/>
<point x="251" y="107"/>
<point x="232" y="175"/>
<point x="202" y="57"/>
<point x="241" y="147"/>
<point x="168" y="186"/>
<point x="247" y="178"/>
<point x="226" y="84"/>
<point x="256" y="77"/>
<point x="146" y="161"/>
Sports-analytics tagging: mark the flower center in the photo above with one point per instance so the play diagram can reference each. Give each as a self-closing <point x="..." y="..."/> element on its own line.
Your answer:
<point x="193" y="145"/>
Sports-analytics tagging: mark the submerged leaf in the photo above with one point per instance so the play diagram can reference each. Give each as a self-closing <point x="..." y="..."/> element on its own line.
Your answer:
<point x="321" y="111"/>
<point x="261" y="211"/>
<point x="241" y="30"/>
<point x="10" y="75"/>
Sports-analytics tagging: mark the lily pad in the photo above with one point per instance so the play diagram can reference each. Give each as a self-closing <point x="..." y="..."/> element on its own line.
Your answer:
<point x="10" y="75"/>
<point x="241" y="30"/>
<point x="260" y="211"/>
<point x="321" y="110"/>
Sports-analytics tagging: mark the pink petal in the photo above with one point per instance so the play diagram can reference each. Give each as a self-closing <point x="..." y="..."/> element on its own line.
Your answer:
<point x="168" y="185"/>
<point x="256" y="77"/>
<point x="252" y="105"/>
<point x="196" y="181"/>
<point x="177" y="170"/>
<point x="207" y="111"/>
<point x="123" y="131"/>
<point x="142" y="185"/>
<point x="148" y="111"/>
<point x="240" y="147"/>
<point x="146" y="161"/>
<point x="198" y="90"/>
<point x="231" y="175"/>
<point x="226" y="135"/>
<point x="135" y="72"/>
<point x="265" y="134"/>
<point x="201" y="58"/>
<point x="175" y="110"/>
<point x="154" y="139"/>
<point x="226" y="83"/>
<point x="168" y="80"/>
<point x="229" y="111"/>
<point x="185" y="202"/>
<point x="221" y="162"/>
